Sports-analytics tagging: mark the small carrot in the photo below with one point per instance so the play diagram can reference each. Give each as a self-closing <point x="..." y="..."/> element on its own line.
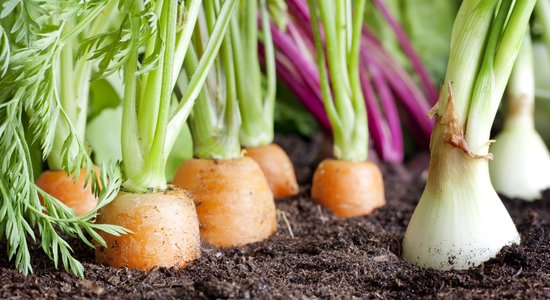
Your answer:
<point x="234" y="203"/>
<point x="73" y="194"/>
<point x="164" y="226"/>
<point x="348" y="188"/>
<point x="277" y="168"/>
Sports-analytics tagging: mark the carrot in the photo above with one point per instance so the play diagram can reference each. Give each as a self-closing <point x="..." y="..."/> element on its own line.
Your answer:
<point x="233" y="200"/>
<point x="348" y="188"/>
<point x="277" y="168"/>
<point x="73" y="194"/>
<point x="164" y="225"/>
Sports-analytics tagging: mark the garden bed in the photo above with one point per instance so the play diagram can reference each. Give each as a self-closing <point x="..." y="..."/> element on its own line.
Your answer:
<point x="315" y="255"/>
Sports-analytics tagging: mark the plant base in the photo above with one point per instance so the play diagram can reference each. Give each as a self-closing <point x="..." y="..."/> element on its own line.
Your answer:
<point x="277" y="168"/>
<point x="165" y="230"/>
<point x="234" y="203"/>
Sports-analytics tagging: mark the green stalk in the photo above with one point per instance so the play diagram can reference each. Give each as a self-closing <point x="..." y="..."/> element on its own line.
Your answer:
<point x="74" y="81"/>
<point x="495" y="72"/>
<point x="342" y="95"/>
<point x="133" y="160"/>
<point x="151" y="48"/>
<point x="152" y="123"/>
<point x="156" y="158"/>
<point x="194" y="86"/>
<point x="271" y="74"/>
<point x="148" y="133"/>
<point x="475" y="18"/>
<point x="335" y="35"/>
<point x="67" y="100"/>
<point x="256" y="103"/>
<point x="150" y="94"/>
<point x="184" y="37"/>
<point x="361" y="129"/>
<point x="244" y="35"/>
<point x="216" y="120"/>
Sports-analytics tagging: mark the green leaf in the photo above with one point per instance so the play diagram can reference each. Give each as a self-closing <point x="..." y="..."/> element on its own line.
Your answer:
<point x="104" y="93"/>
<point x="291" y="116"/>
<point x="182" y="151"/>
<point x="104" y="134"/>
<point x="430" y="33"/>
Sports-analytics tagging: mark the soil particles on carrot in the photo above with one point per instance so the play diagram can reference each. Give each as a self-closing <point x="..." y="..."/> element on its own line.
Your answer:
<point x="314" y="255"/>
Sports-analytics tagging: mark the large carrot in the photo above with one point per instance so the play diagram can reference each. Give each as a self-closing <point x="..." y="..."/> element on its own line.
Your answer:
<point x="348" y="186"/>
<point x="164" y="226"/>
<point x="77" y="195"/>
<point x="277" y="168"/>
<point x="233" y="200"/>
<point x="163" y="220"/>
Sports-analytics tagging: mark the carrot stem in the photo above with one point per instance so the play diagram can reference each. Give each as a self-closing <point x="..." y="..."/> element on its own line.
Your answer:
<point x="340" y="82"/>
<point x="216" y="120"/>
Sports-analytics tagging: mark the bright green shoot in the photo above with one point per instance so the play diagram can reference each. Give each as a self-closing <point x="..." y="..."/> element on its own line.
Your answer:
<point x="256" y="97"/>
<point x="342" y="23"/>
<point x="215" y="120"/>
<point x="149" y="128"/>
<point x="478" y="78"/>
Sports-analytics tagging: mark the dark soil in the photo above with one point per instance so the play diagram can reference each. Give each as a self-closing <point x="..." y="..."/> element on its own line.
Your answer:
<point x="314" y="255"/>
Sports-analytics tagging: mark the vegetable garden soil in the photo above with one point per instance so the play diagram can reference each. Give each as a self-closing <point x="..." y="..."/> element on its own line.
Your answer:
<point x="314" y="255"/>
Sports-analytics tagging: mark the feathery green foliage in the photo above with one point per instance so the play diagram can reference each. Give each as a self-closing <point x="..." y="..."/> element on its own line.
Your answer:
<point x="32" y="37"/>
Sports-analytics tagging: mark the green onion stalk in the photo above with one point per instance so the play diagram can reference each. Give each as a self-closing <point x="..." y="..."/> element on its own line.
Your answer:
<point x="460" y="221"/>
<point x="521" y="167"/>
